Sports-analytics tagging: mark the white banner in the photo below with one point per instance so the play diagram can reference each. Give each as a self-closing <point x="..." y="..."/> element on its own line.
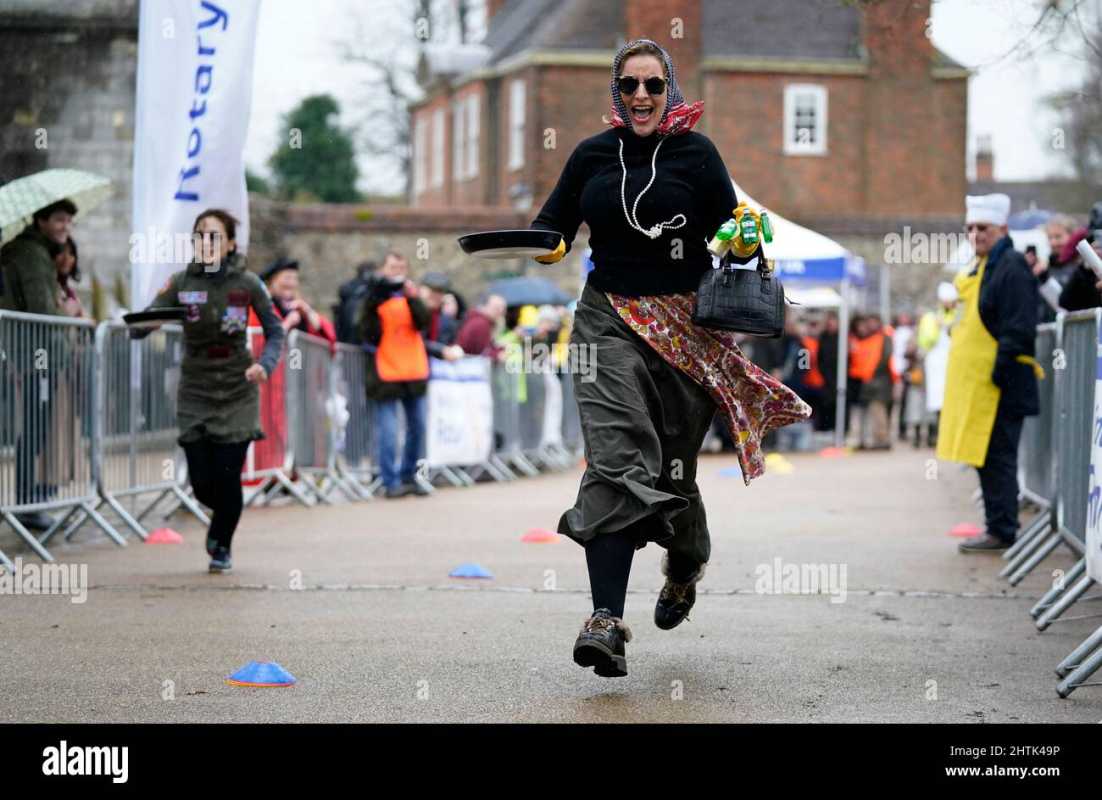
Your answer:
<point x="1094" y="490"/>
<point x="195" y="78"/>
<point x="460" y="427"/>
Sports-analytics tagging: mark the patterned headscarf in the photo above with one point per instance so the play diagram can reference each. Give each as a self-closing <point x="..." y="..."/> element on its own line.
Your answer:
<point x="679" y="116"/>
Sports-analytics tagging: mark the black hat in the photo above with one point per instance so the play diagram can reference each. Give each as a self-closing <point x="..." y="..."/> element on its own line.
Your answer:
<point x="277" y="267"/>
<point x="437" y="281"/>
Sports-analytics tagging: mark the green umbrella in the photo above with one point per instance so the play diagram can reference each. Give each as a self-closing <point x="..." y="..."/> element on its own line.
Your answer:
<point x="24" y="196"/>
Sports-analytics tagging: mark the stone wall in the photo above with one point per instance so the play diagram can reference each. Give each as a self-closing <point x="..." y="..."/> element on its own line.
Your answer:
<point x="67" y="88"/>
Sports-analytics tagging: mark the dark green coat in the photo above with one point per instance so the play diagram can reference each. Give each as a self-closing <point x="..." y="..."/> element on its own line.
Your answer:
<point x="216" y="402"/>
<point x="30" y="275"/>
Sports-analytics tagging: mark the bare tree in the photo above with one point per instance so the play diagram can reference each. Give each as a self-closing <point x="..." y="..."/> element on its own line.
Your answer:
<point x="387" y="42"/>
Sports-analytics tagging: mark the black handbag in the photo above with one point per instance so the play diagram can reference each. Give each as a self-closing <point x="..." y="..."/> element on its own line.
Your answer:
<point x="741" y="300"/>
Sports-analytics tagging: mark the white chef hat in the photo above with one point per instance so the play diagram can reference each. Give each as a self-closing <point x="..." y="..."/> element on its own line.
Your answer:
<point x="946" y="292"/>
<point x="994" y="209"/>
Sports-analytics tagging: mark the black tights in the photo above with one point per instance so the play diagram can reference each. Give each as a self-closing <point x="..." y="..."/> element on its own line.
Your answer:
<point x="608" y="557"/>
<point x="215" y="473"/>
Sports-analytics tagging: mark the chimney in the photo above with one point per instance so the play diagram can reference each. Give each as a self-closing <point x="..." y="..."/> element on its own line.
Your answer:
<point x="674" y="24"/>
<point x="894" y="35"/>
<point x="985" y="159"/>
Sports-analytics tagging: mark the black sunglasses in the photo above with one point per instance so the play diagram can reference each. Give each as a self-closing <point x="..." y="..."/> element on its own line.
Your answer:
<point x="654" y="86"/>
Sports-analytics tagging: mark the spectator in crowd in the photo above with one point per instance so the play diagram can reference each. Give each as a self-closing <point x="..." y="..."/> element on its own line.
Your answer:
<point x="1084" y="288"/>
<point x="30" y="274"/>
<point x="870" y="365"/>
<point x="68" y="272"/>
<point x="449" y="306"/>
<point x="991" y="383"/>
<point x="827" y="359"/>
<point x="794" y="372"/>
<point x="902" y="337"/>
<point x="932" y="340"/>
<point x="440" y="337"/>
<point x="392" y="324"/>
<point x="476" y="334"/>
<point x="350" y="301"/>
<point x="855" y="368"/>
<point x="1062" y="261"/>
<point x="30" y="280"/>
<point x="1031" y="259"/>
<point x="281" y="278"/>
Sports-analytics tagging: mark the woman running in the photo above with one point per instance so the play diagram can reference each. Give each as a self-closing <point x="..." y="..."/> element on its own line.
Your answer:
<point x="652" y="192"/>
<point x="218" y="409"/>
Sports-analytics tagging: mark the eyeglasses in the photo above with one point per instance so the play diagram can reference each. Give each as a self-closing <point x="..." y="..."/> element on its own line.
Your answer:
<point x="628" y="85"/>
<point x="977" y="227"/>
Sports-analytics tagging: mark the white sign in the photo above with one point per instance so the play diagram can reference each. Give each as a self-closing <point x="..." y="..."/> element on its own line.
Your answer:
<point x="1094" y="491"/>
<point x="460" y="413"/>
<point x="195" y="77"/>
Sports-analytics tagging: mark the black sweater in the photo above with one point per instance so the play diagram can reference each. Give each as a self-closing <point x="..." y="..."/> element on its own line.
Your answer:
<point x="691" y="179"/>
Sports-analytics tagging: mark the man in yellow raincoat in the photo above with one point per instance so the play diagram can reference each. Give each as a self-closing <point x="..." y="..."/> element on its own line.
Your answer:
<point x="991" y="383"/>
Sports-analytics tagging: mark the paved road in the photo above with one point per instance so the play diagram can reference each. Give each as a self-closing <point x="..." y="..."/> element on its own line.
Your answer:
<point x="379" y="633"/>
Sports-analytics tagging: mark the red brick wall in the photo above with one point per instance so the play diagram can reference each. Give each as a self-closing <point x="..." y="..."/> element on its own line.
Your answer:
<point x="951" y="111"/>
<point x="571" y="102"/>
<point x="744" y="116"/>
<point x="915" y="128"/>
<point x="660" y="20"/>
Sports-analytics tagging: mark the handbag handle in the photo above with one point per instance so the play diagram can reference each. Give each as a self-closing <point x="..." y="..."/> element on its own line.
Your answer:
<point x="759" y="253"/>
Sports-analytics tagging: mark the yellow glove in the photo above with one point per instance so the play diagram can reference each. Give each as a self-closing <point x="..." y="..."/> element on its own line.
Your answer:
<point x="738" y="246"/>
<point x="557" y="255"/>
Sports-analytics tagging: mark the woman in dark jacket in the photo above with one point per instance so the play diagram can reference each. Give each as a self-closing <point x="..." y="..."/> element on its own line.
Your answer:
<point x="218" y="409"/>
<point x="652" y="193"/>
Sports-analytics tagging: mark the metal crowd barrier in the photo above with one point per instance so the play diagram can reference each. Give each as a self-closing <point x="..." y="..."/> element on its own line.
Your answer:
<point x="311" y="404"/>
<point x="510" y="391"/>
<point x="1055" y="474"/>
<point x="88" y="419"/>
<point x="1073" y="371"/>
<point x="136" y="452"/>
<point x="47" y="425"/>
<point x="1036" y="458"/>
<point x="355" y="449"/>
<point x="270" y="461"/>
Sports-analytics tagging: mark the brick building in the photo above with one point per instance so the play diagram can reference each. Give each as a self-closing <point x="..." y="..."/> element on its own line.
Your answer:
<point x="843" y="117"/>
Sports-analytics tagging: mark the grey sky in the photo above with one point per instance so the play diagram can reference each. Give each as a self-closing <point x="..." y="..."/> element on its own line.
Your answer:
<point x="296" y="58"/>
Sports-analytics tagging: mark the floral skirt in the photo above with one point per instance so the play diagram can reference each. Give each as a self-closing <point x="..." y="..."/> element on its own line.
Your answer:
<point x="652" y="387"/>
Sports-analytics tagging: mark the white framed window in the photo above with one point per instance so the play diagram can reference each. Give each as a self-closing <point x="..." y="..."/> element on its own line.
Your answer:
<point x="437" y="178"/>
<point x="516" y="123"/>
<point x="459" y="138"/>
<point x="473" y="120"/>
<point x="420" y="150"/>
<point x="805" y="119"/>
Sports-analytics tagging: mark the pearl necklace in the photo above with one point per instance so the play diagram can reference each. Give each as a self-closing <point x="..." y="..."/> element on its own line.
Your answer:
<point x="633" y="220"/>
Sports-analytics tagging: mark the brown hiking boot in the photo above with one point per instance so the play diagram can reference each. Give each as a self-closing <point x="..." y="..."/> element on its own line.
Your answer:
<point x="676" y="598"/>
<point x="600" y="645"/>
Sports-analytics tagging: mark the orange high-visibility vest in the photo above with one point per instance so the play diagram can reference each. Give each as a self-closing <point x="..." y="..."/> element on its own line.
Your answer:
<point x="864" y="355"/>
<point x="814" y="379"/>
<point x="401" y="355"/>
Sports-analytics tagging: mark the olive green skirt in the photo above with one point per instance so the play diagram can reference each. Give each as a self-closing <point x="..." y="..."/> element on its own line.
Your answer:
<point x="643" y="422"/>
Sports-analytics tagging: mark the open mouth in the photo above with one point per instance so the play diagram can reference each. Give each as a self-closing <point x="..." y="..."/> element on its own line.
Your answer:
<point x="642" y="113"/>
